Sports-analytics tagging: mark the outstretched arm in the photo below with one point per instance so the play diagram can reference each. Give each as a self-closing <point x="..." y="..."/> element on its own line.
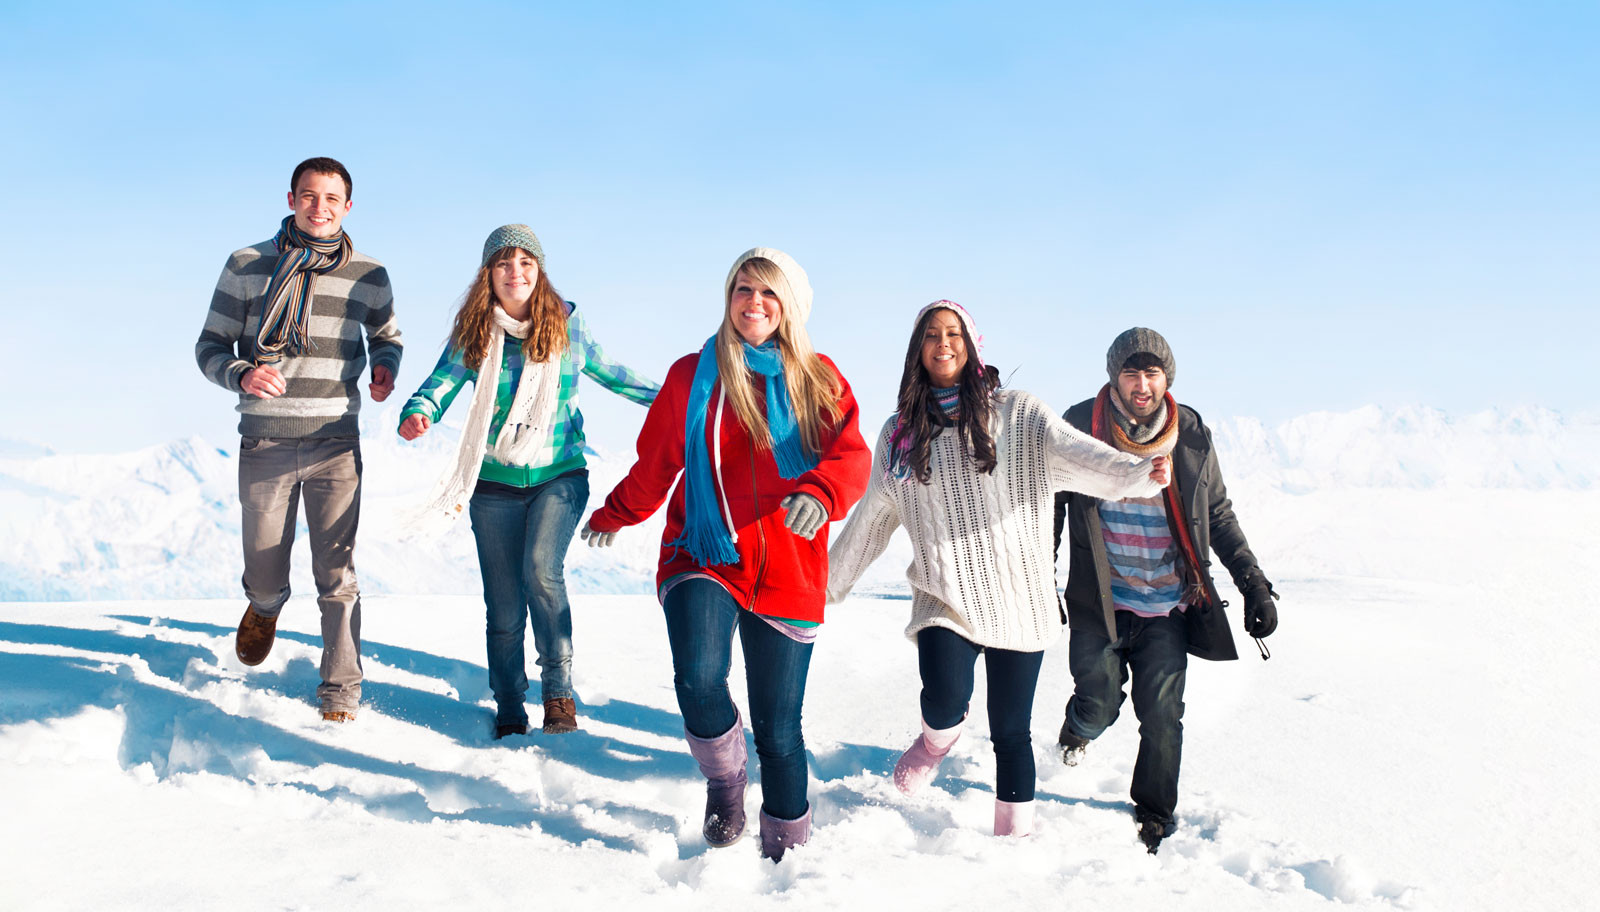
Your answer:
<point x="1080" y="463"/>
<point x="660" y="458"/>
<point x="613" y="375"/>
<point x="866" y="533"/>
<point x="436" y="393"/>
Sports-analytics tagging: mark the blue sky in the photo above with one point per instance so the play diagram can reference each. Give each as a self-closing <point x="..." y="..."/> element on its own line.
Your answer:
<point x="1322" y="205"/>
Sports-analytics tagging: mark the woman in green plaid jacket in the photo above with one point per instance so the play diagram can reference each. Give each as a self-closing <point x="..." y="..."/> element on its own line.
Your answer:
<point x="519" y="471"/>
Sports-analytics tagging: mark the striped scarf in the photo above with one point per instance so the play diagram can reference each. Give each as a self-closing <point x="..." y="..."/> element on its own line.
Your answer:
<point x="286" y="304"/>
<point x="1154" y="439"/>
<point x="948" y="400"/>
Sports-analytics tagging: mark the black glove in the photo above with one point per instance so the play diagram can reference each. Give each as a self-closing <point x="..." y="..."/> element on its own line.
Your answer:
<point x="1260" y="614"/>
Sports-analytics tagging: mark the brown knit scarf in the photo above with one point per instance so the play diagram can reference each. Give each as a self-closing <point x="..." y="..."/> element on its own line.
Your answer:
<point x="1108" y="408"/>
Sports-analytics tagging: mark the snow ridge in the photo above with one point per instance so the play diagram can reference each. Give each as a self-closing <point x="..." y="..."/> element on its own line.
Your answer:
<point x="162" y="522"/>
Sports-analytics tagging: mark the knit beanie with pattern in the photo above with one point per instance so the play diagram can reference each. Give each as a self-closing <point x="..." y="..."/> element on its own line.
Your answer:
<point x="513" y="236"/>
<point x="1139" y="340"/>
<point x="800" y="307"/>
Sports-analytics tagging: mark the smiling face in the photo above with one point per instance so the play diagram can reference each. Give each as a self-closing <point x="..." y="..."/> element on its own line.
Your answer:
<point x="512" y="275"/>
<point x="944" y="349"/>
<point x="1142" y="391"/>
<point x="320" y="203"/>
<point x="754" y="308"/>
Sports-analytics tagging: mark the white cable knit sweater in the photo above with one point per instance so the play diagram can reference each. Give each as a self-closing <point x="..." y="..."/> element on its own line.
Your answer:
<point x="982" y="542"/>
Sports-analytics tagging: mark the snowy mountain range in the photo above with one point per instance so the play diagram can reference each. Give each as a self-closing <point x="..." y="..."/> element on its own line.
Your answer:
<point x="163" y="522"/>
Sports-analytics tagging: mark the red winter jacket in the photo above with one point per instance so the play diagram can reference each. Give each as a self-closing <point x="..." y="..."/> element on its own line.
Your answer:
<point x="778" y="573"/>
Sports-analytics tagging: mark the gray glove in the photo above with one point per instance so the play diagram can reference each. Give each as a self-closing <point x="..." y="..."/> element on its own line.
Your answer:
<point x="596" y="539"/>
<point x="805" y="514"/>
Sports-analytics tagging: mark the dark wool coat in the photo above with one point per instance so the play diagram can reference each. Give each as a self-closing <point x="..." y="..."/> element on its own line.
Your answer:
<point x="1212" y="526"/>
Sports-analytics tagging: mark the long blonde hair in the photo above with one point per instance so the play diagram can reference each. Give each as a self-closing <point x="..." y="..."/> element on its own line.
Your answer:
<point x="814" y="388"/>
<point x="473" y="324"/>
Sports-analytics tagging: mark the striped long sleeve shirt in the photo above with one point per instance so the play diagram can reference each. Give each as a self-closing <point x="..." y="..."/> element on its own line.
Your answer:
<point x="352" y="319"/>
<point x="1142" y="555"/>
<point x="563" y="451"/>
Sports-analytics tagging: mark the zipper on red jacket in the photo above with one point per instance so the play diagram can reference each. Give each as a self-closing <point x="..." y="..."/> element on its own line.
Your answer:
<point x="761" y="537"/>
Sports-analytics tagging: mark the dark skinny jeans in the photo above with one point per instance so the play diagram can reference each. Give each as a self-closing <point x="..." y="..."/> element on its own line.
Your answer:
<point x="701" y="619"/>
<point x="947" y="661"/>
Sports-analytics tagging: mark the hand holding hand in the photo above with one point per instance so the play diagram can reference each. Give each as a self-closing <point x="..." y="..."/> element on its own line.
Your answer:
<point x="382" y="384"/>
<point x="805" y="515"/>
<point x="596" y="539"/>
<point x="415" y="425"/>
<point x="1160" y="470"/>
<point x="263" y="382"/>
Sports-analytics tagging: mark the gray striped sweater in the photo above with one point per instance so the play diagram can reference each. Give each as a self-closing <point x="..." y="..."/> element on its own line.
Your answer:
<point x="352" y="313"/>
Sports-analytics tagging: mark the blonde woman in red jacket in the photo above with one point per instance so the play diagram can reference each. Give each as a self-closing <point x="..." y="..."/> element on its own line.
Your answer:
<point x="764" y="433"/>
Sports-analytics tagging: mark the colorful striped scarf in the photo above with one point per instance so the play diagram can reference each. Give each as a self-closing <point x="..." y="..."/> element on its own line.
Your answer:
<point x="286" y="304"/>
<point x="707" y="532"/>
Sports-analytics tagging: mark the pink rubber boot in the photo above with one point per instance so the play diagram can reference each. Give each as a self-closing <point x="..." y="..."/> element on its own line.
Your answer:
<point x="917" y="766"/>
<point x="1013" y="818"/>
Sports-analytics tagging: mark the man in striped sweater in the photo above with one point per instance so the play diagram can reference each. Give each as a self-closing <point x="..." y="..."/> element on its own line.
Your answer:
<point x="1139" y="592"/>
<point x="292" y="324"/>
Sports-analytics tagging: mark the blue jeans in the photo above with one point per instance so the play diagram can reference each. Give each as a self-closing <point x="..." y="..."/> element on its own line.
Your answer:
<point x="522" y="537"/>
<point x="947" y="661"/>
<point x="1156" y="649"/>
<point x="701" y="617"/>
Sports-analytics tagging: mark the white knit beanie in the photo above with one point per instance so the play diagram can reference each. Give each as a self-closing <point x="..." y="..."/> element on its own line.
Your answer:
<point x="800" y="307"/>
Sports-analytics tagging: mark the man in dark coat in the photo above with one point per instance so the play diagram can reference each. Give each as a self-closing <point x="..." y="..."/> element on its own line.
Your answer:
<point x="1139" y="593"/>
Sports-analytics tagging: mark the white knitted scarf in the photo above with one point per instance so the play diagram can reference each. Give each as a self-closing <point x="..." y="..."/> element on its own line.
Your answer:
<point x="527" y="425"/>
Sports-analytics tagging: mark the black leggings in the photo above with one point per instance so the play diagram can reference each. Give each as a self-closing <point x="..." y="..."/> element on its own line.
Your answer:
<point x="947" y="660"/>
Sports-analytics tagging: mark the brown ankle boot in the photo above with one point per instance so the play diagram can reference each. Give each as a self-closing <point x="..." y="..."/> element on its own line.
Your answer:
<point x="254" y="639"/>
<point x="560" y="716"/>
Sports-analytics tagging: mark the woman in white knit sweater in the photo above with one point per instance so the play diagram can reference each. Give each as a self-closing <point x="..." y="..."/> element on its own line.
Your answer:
<point x="971" y="471"/>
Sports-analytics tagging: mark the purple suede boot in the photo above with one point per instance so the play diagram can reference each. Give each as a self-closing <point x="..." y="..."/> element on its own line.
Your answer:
<point x="722" y="760"/>
<point x="917" y="766"/>
<point x="779" y="835"/>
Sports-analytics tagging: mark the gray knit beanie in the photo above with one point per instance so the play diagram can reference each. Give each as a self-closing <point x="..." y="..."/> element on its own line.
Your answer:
<point x="513" y="236"/>
<point x="1136" y="341"/>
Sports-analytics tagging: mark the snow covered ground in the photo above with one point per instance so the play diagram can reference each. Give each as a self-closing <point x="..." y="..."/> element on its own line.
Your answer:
<point x="1421" y="739"/>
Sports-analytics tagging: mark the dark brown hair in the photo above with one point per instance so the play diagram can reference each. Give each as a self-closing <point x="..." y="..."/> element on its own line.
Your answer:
<point x="921" y="418"/>
<point x="321" y="165"/>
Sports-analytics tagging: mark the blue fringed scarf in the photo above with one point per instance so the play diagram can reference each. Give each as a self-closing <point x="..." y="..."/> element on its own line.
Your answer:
<point x="705" y="533"/>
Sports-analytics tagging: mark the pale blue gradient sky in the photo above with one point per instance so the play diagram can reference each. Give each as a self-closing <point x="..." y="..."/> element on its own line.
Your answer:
<point x="1322" y="205"/>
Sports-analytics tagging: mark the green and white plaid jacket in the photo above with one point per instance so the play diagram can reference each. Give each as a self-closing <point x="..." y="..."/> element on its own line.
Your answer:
<point x="563" y="451"/>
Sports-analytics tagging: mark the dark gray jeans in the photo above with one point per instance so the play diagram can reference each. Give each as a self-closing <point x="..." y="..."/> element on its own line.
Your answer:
<point x="274" y="474"/>
<point x="1156" y="650"/>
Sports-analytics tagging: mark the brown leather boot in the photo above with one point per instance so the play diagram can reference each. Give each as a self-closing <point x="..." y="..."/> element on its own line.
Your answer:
<point x="560" y="716"/>
<point x="254" y="639"/>
<point x="338" y="715"/>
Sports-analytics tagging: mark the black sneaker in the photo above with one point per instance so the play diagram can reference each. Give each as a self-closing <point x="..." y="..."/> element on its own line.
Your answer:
<point x="1072" y="747"/>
